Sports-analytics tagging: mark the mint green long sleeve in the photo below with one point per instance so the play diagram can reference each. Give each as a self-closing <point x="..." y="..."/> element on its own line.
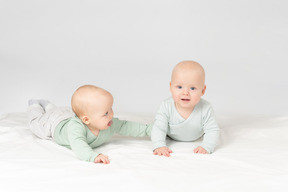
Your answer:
<point x="75" y="135"/>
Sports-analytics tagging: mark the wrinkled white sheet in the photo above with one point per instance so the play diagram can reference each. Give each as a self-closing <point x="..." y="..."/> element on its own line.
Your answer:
<point x="252" y="156"/>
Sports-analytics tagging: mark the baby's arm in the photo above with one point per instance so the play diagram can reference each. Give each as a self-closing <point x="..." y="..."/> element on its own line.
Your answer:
<point x="165" y="151"/>
<point x="159" y="133"/>
<point x="130" y="128"/>
<point x="211" y="132"/>
<point x="83" y="151"/>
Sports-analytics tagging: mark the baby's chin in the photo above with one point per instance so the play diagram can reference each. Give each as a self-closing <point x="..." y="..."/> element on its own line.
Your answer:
<point x="186" y="105"/>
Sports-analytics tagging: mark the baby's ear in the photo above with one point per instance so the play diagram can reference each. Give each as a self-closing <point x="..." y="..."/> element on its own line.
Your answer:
<point x="203" y="90"/>
<point x="85" y="120"/>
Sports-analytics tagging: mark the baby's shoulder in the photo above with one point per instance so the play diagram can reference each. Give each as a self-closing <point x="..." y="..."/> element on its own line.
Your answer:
<point x="205" y="105"/>
<point x="75" y="119"/>
<point x="168" y="101"/>
<point x="167" y="104"/>
<point x="75" y="122"/>
<point x="204" y="102"/>
<point x="206" y="109"/>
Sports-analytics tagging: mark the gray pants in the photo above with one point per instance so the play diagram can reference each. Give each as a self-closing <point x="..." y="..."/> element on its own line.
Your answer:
<point x="43" y="122"/>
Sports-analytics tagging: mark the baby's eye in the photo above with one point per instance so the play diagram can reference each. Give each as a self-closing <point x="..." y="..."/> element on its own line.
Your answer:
<point x="106" y="113"/>
<point x="179" y="87"/>
<point x="192" y="88"/>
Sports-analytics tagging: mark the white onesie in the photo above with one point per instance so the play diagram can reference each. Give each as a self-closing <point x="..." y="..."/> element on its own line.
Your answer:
<point x="201" y="121"/>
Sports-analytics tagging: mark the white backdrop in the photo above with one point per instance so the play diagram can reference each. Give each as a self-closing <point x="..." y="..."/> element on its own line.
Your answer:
<point x="49" y="48"/>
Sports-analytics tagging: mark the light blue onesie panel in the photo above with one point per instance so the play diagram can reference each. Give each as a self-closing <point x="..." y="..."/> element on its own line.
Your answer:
<point x="201" y="122"/>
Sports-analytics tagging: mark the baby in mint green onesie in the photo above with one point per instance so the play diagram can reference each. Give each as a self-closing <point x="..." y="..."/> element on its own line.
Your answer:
<point x="88" y="126"/>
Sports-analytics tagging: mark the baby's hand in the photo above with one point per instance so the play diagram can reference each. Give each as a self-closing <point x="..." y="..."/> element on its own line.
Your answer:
<point x="163" y="151"/>
<point x="102" y="159"/>
<point x="200" y="150"/>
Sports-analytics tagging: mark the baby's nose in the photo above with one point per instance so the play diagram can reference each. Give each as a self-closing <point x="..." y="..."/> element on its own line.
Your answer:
<point x="112" y="113"/>
<point x="185" y="92"/>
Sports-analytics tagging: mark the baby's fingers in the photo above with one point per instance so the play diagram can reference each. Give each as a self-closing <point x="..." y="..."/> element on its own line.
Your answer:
<point x="200" y="150"/>
<point x="163" y="152"/>
<point x="102" y="159"/>
<point x="105" y="160"/>
<point x="167" y="154"/>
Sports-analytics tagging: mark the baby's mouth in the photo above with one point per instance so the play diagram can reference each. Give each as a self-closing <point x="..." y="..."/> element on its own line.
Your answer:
<point x="185" y="99"/>
<point x="110" y="123"/>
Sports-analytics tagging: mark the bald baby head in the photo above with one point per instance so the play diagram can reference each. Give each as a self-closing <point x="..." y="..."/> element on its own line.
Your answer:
<point x="88" y="96"/>
<point x="190" y="67"/>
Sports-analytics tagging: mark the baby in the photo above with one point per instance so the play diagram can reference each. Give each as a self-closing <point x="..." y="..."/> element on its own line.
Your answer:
<point x="185" y="116"/>
<point x="92" y="125"/>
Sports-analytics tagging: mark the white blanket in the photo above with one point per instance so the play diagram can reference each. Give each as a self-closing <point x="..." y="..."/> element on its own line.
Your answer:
<point x="252" y="156"/>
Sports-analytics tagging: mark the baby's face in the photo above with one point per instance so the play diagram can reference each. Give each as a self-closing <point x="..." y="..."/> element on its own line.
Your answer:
<point x="187" y="87"/>
<point x="101" y="113"/>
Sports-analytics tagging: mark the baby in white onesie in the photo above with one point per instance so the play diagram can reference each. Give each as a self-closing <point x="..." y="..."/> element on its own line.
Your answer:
<point x="185" y="116"/>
